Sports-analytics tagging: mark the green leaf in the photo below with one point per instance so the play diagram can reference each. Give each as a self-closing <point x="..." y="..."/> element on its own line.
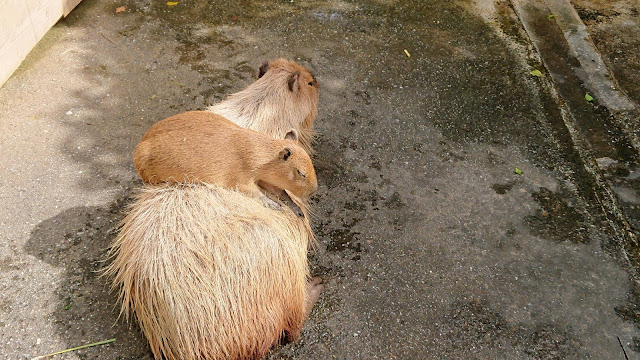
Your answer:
<point x="517" y="171"/>
<point x="588" y="97"/>
<point x="550" y="16"/>
<point x="536" y="73"/>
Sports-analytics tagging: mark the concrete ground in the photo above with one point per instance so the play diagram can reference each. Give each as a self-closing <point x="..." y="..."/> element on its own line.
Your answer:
<point x="431" y="245"/>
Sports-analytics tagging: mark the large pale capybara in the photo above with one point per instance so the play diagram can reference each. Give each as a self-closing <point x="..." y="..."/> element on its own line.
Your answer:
<point x="210" y="273"/>
<point x="284" y="97"/>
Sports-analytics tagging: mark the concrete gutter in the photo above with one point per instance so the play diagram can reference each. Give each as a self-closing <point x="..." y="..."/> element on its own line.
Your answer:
<point x="566" y="81"/>
<point x="596" y="75"/>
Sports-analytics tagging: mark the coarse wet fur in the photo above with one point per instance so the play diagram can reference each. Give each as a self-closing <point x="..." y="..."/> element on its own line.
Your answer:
<point x="284" y="97"/>
<point x="199" y="146"/>
<point x="212" y="274"/>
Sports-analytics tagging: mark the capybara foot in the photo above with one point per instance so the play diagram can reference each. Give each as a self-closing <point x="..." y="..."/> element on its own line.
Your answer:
<point x="314" y="288"/>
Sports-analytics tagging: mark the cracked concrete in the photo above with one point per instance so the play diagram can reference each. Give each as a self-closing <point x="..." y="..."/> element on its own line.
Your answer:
<point x="431" y="246"/>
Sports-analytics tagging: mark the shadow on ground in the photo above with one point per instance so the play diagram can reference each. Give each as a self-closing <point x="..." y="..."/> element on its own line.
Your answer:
<point x="87" y="311"/>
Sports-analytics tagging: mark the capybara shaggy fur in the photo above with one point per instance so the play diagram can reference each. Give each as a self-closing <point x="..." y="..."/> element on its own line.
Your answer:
<point x="199" y="146"/>
<point x="210" y="273"/>
<point x="284" y="97"/>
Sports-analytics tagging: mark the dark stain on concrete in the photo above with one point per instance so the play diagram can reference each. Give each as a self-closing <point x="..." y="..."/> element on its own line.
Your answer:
<point x="394" y="201"/>
<point x="503" y="188"/>
<point x="630" y="309"/>
<point x="476" y="322"/>
<point x="342" y="238"/>
<point x="589" y="16"/>
<point x="557" y="219"/>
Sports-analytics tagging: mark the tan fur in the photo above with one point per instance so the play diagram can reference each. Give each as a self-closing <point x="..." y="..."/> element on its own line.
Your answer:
<point x="210" y="273"/>
<point x="200" y="146"/>
<point x="270" y="106"/>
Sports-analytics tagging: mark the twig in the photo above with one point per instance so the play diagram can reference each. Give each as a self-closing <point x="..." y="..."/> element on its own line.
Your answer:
<point x="109" y="40"/>
<point x="75" y="348"/>
<point x="623" y="351"/>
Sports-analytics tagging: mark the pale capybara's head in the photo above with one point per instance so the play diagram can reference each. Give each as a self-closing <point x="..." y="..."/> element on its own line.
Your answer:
<point x="297" y="84"/>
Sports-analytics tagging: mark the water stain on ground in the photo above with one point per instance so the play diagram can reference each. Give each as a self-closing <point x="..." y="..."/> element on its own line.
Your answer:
<point x="557" y="219"/>
<point x="503" y="188"/>
<point x="476" y="322"/>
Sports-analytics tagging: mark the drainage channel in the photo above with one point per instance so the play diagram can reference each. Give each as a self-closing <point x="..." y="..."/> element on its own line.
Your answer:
<point x="593" y="121"/>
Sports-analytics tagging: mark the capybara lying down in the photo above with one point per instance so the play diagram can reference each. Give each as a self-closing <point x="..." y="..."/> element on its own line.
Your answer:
<point x="199" y="146"/>
<point x="210" y="273"/>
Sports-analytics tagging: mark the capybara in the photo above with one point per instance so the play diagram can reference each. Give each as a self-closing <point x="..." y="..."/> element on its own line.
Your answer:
<point x="210" y="273"/>
<point x="199" y="146"/>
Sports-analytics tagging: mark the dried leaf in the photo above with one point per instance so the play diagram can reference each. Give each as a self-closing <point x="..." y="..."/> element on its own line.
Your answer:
<point x="121" y="9"/>
<point x="536" y="73"/>
<point x="172" y="3"/>
<point x="588" y="97"/>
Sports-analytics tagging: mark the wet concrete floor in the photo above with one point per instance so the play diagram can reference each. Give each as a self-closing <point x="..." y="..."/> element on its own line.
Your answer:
<point x="431" y="246"/>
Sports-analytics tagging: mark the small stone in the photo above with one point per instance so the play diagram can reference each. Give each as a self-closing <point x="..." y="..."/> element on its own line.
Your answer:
<point x="605" y="162"/>
<point x="69" y="112"/>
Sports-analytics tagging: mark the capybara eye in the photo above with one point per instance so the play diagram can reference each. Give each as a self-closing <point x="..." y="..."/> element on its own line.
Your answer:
<point x="311" y="83"/>
<point x="301" y="174"/>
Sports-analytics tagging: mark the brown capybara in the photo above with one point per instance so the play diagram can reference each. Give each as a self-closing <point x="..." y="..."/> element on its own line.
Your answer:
<point x="284" y="97"/>
<point x="199" y="146"/>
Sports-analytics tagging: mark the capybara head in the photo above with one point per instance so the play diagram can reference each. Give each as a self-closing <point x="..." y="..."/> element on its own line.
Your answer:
<point x="299" y="88"/>
<point x="292" y="170"/>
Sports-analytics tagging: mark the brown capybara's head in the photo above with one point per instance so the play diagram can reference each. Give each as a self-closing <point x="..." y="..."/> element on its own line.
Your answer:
<point x="291" y="169"/>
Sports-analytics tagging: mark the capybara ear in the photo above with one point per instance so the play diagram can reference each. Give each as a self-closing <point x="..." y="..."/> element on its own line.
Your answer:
<point x="293" y="81"/>
<point x="285" y="154"/>
<point x="263" y="69"/>
<point x="292" y="135"/>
